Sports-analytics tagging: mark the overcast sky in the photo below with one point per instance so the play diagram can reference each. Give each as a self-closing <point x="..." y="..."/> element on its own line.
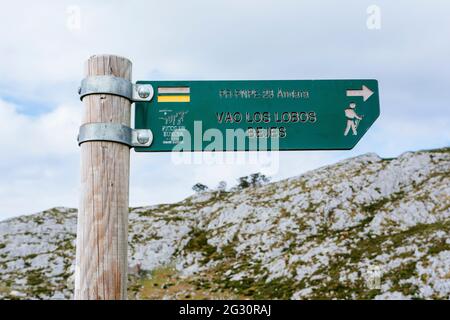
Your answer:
<point x="43" y="45"/>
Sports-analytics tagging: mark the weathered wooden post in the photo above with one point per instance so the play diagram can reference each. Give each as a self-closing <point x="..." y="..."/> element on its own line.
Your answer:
<point x="101" y="258"/>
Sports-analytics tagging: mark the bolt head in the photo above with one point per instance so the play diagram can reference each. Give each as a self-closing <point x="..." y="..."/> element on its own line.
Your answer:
<point x="143" y="92"/>
<point x="143" y="137"/>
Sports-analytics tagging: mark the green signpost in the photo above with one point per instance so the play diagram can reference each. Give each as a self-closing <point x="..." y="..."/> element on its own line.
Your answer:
<point x="190" y="116"/>
<point x="238" y="115"/>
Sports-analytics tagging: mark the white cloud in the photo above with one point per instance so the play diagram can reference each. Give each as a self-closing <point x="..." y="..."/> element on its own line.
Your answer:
<point x="42" y="65"/>
<point x="51" y="134"/>
<point x="39" y="163"/>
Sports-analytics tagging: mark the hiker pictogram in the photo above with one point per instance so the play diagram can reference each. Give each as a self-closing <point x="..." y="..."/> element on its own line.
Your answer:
<point x="353" y="119"/>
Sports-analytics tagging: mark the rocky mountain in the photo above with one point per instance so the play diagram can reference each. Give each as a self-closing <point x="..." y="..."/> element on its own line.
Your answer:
<point x="364" y="228"/>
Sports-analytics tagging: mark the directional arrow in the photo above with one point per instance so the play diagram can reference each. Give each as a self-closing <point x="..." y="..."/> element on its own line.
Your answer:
<point x="365" y="92"/>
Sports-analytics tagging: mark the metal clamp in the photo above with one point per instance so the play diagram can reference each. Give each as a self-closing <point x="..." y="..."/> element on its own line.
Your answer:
<point x="115" y="132"/>
<point x="115" y="86"/>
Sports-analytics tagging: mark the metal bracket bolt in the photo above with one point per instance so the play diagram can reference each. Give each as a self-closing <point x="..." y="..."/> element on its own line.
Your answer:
<point x="143" y="137"/>
<point x="143" y="92"/>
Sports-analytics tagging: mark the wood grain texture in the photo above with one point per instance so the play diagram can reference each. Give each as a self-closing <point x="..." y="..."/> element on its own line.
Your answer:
<point x="102" y="230"/>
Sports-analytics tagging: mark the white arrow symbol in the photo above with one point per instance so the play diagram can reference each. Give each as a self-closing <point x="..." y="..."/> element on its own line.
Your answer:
<point x="365" y="92"/>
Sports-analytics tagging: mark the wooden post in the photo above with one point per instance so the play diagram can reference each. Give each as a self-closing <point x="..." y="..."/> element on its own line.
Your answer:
<point x="102" y="231"/>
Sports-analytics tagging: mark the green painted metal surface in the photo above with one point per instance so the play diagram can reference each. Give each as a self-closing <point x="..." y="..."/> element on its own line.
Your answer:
<point x="301" y="114"/>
